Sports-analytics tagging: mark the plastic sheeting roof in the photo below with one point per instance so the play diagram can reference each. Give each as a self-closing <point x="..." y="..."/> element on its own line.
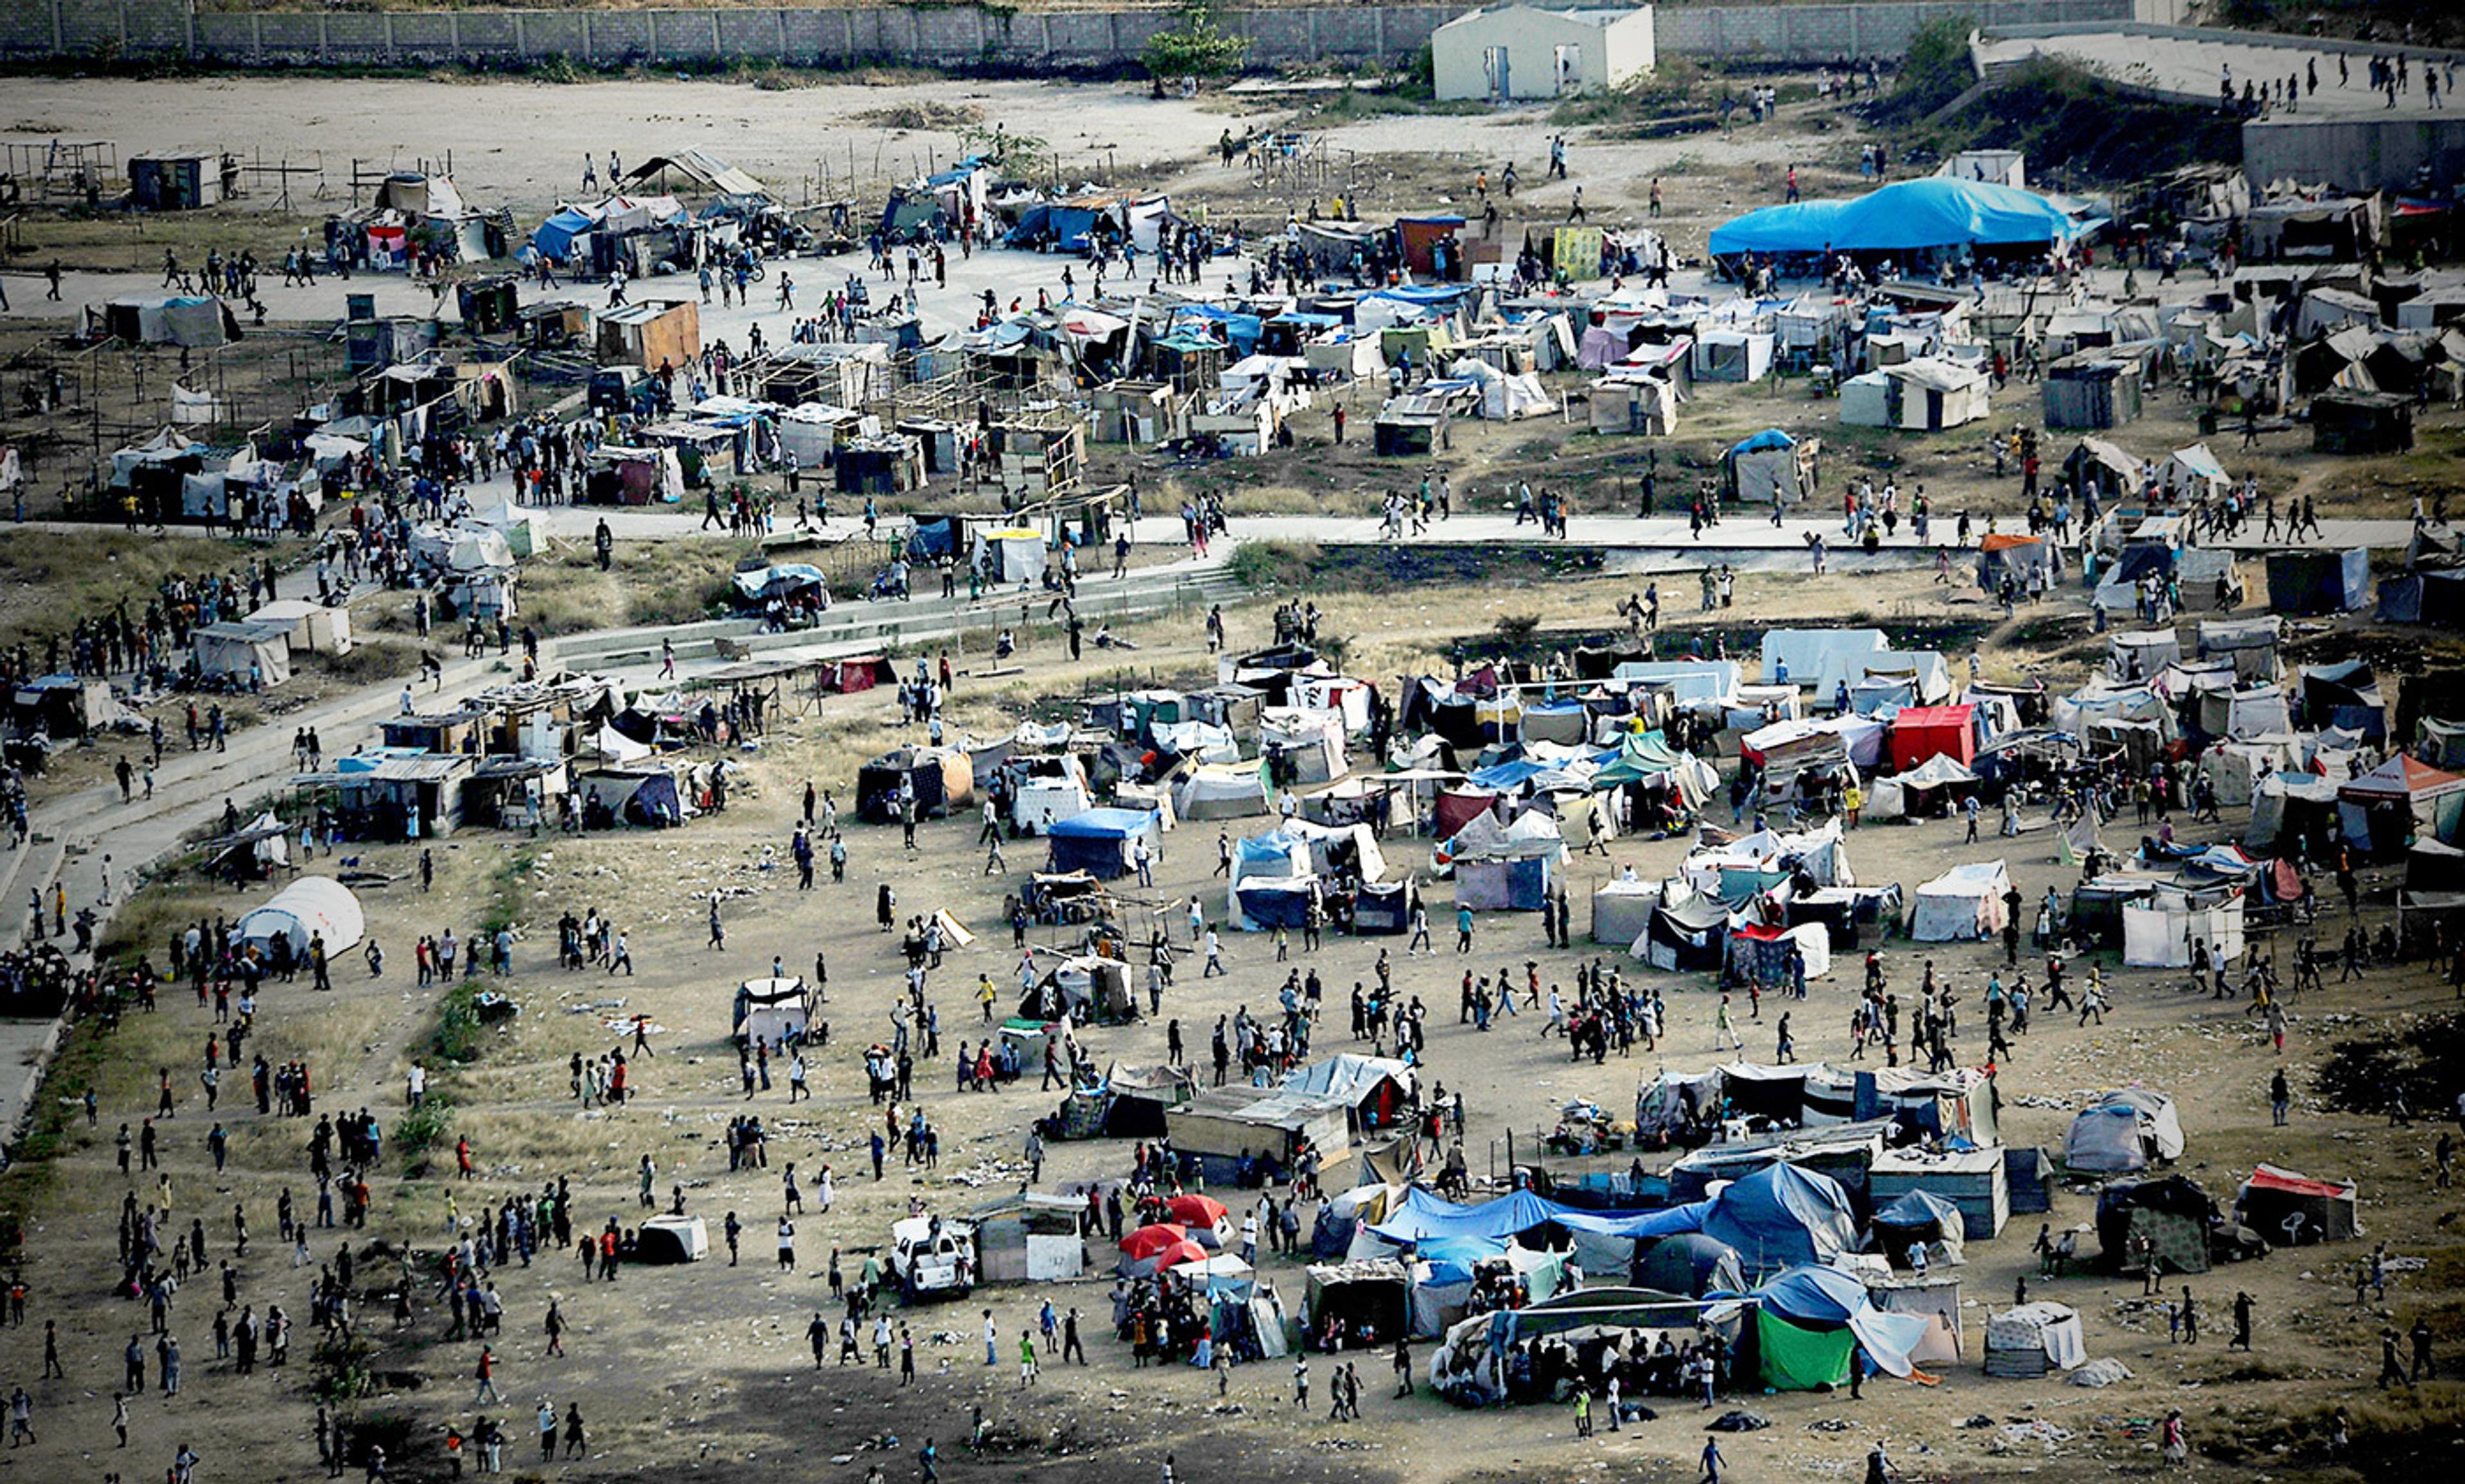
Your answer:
<point x="1904" y="215"/>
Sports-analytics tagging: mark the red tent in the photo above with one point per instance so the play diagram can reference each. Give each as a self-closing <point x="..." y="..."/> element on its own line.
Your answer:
<point x="1457" y="807"/>
<point x="1181" y="1252"/>
<point x="1196" y="1212"/>
<point x="858" y="673"/>
<point x="1922" y="732"/>
<point x="1149" y="1242"/>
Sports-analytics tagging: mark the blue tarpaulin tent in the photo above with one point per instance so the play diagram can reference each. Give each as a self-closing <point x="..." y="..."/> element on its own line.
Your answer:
<point x="555" y="236"/>
<point x="1099" y="841"/>
<point x="1900" y="217"/>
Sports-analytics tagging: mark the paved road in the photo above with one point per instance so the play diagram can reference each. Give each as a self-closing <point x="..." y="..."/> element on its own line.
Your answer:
<point x="2193" y="69"/>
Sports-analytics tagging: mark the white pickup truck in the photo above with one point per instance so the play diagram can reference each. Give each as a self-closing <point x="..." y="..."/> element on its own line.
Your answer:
<point x="931" y="1258"/>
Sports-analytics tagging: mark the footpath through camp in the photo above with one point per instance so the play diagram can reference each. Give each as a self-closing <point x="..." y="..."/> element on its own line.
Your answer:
<point x="819" y="812"/>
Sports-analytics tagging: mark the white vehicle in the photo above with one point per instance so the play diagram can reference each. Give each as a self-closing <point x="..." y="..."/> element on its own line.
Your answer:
<point x="931" y="1258"/>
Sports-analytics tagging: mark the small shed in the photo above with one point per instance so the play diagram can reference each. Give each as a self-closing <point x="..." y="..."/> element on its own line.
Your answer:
<point x="651" y="333"/>
<point x="2361" y="422"/>
<point x="256" y="654"/>
<point x="181" y="181"/>
<point x="2092" y="392"/>
<point x="1520" y="52"/>
<point x="1973" y="1180"/>
<point x="403" y="798"/>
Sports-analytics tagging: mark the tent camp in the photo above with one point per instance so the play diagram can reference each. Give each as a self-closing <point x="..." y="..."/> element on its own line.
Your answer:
<point x="1781" y="1216"/>
<point x="1102" y="842"/>
<point x="2290" y="1209"/>
<point x="2126" y="1130"/>
<point x="2401" y="801"/>
<point x="311" y="906"/>
<point x="1917" y="1219"/>
<point x="1964" y="902"/>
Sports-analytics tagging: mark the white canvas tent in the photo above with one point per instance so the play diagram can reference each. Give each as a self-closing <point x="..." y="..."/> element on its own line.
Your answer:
<point x="311" y="906"/>
<point x="315" y="627"/>
<point x="241" y="651"/>
<point x="1012" y="556"/>
<point x="1964" y="902"/>
<point x="771" y="1010"/>
<point x="1221" y="790"/>
<point x="2162" y="931"/>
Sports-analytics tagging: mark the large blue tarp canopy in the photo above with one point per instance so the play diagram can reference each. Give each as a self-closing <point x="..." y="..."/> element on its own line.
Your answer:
<point x="1900" y="218"/>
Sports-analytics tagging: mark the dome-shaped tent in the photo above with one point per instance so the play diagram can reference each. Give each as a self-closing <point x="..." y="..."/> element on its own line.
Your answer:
<point x="312" y="906"/>
<point x="1692" y="1264"/>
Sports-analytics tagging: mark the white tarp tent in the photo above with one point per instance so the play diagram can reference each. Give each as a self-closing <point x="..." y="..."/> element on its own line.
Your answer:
<point x="1221" y="790"/>
<point x="2162" y="931"/>
<point x="311" y="906"/>
<point x="1011" y="556"/>
<point x="1964" y="902"/>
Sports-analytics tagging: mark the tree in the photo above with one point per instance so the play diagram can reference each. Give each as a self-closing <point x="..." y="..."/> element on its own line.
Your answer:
<point x="1197" y="48"/>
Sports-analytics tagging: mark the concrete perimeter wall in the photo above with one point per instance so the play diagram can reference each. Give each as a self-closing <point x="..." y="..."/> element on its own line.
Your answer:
<point x="957" y="36"/>
<point x="2362" y="152"/>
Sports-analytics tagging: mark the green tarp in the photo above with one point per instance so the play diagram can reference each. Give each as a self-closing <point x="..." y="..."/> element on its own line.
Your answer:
<point x="1801" y="1360"/>
<point x="1646" y="756"/>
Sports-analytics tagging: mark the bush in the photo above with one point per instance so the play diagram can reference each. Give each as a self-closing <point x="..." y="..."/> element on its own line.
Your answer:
<point x="422" y="1131"/>
<point x="1197" y="48"/>
<point x="1264" y="565"/>
<point x="1938" y="68"/>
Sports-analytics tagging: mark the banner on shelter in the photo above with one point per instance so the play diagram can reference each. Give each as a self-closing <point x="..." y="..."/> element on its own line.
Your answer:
<point x="1579" y="251"/>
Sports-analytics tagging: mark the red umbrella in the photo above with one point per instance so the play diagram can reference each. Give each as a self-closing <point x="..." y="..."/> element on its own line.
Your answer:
<point x="1148" y="1241"/>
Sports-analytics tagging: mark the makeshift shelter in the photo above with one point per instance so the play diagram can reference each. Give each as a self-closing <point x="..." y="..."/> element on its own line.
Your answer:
<point x="2302" y="583"/>
<point x="1687" y="935"/>
<point x="2171" y="1213"/>
<point x="2399" y="802"/>
<point x="1030" y="1236"/>
<point x="1970" y="1181"/>
<point x="2124" y="1131"/>
<point x="1046" y="789"/>
<point x="2362" y="422"/>
<point x="2167" y="929"/>
<point x="1772" y="956"/>
<point x="1239" y="1128"/>
<point x="1622" y="912"/>
<point x="1102" y="842"/>
<point x="1934" y="1299"/>
<point x="1811" y="1322"/>
<point x="1781" y="1216"/>
<point x="1138" y="1097"/>
<point x="1768" y="469"/>
<point x="1689" y="1263"/>
<point x="316" y="627"/>
<point x="2092" y="391"/>
<point x="2290" y="1209"/>
<point x="1917" y="1219"/>
<point x="1371" y="1296"/>
<point x="1221" y="790"/>
<point x="1920" y="733"/>
<point x="771" y="1010"/>
<point x="2026" y="1342"/>
<point x="941" y="780"/>
<point x="309" y="907"/>
<point x="1964" y="902"/>
<point x="254" y="655"/>
<point x="2019" y="558"/>
<point x="666" y="1240"/>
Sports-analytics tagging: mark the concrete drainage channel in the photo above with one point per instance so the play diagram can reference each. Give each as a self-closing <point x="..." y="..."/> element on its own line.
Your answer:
<point x="857" y="627"/>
